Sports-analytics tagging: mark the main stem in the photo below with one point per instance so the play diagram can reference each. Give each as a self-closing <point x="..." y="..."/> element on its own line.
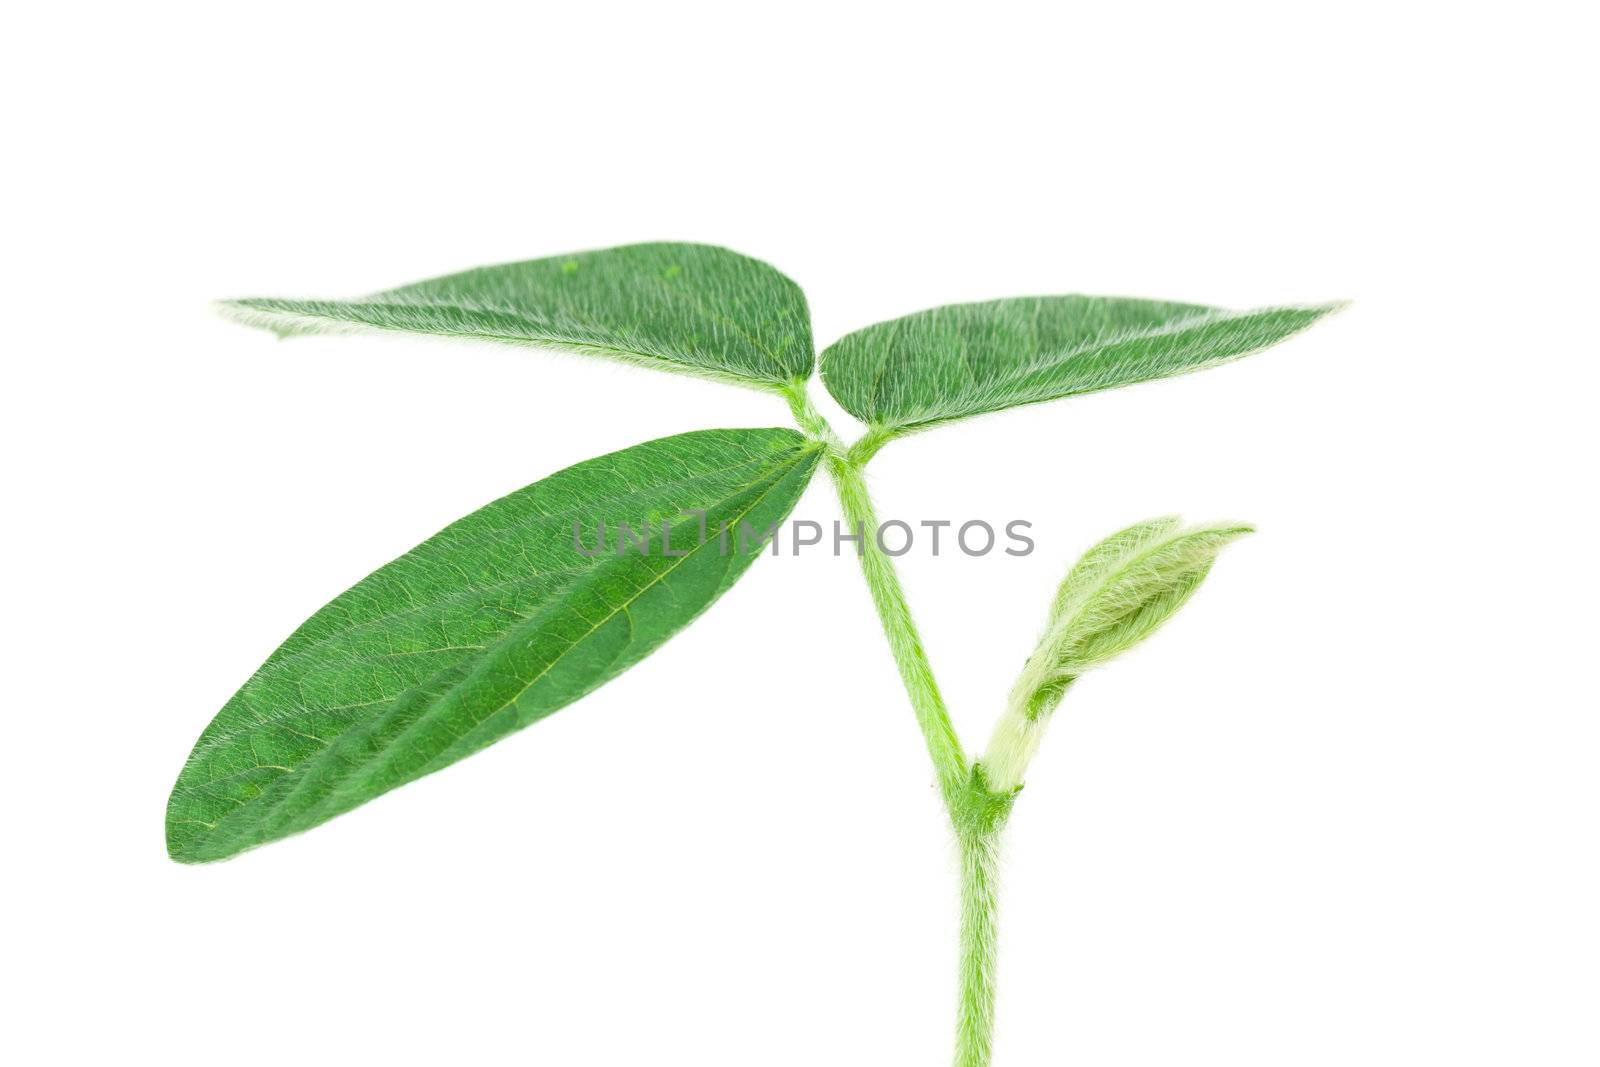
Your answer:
<point x="976" y="813"/>
<point x="905" y="643"/>
<point x="979" y="897"/>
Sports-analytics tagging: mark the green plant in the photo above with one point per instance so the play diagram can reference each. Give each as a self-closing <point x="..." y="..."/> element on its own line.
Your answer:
<point x="507" y="615"/>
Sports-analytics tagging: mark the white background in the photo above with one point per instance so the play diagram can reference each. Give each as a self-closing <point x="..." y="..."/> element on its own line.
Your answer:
<point x="1343" y="810"/>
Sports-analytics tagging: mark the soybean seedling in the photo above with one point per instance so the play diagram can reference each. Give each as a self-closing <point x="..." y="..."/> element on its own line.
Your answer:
<point x="502" y="617"/>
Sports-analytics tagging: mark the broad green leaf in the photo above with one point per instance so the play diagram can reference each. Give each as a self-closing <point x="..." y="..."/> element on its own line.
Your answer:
<point x="1118" y="593"/>
<point x="694" y="309"/>
<point x="967" y="359"/>
<point x="491" y="624"/>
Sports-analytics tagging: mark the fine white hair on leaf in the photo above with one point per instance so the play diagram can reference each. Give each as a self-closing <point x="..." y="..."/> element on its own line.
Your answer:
<point x="962" y="360"/>
<point x="286" y="322"/>
<point x="1118" y="593"/>
<point x="684" y="308"/>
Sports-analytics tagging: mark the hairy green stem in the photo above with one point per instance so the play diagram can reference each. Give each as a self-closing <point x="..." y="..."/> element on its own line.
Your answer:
<point x="867" y="444"/>
<point x="975" y="1014"/>
<point x="808" y="417"/>
<point x="916" y="673"/>
<point x="976" y="812"/>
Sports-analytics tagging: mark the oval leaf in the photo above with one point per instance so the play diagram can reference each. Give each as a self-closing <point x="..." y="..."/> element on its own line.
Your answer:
<point x="1118" y="593"/>
<point x="967" y="359"/>
<point x="694" y="309"/>
<point x="491" y="624"/>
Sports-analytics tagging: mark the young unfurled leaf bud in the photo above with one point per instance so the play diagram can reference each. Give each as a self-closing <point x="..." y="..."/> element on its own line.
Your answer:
<point x="1118" y="594"/>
